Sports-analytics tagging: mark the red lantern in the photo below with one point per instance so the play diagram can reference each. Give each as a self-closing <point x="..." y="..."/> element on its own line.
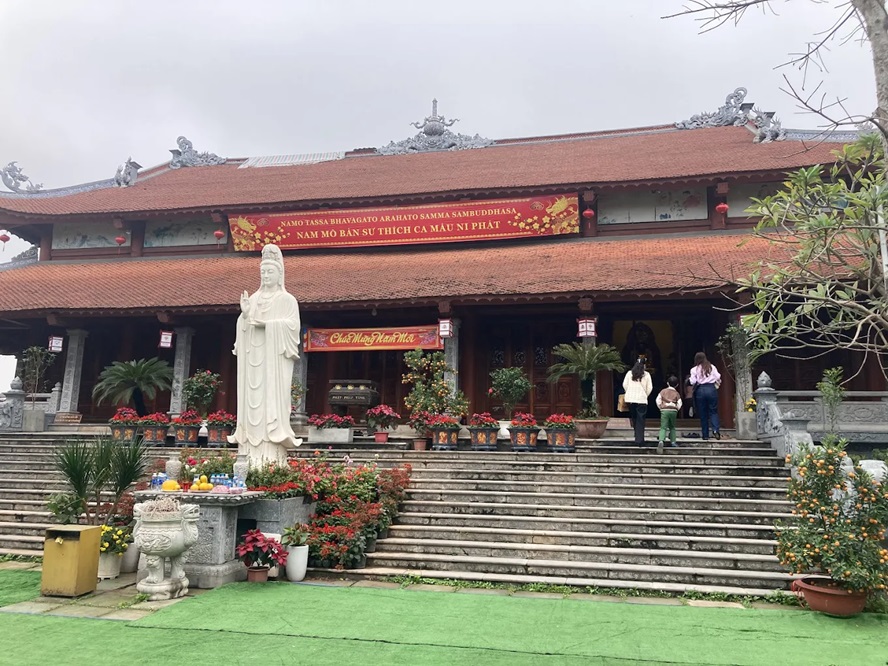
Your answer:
<point x="120" y="240"/>
<point x="721" y="208"/>
<point x="219" y="234"/>
<point x="4" y="238"/>
<point x="588" y="213"/>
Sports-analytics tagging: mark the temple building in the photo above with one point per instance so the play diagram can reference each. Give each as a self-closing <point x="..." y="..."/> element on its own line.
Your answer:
<point x="491" y="250"/>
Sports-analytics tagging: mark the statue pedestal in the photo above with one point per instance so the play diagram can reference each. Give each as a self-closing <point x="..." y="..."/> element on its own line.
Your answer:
<point x="211" y="562"/>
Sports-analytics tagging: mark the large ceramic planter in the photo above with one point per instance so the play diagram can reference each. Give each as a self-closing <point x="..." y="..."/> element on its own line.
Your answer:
<point x="590" y="428"/>
<point x="154" y="435"/>
<point x="217" y="435"/>
<point x="330" y="435"/>
<point x="129" y="561"/>
<point x="824" y="595"/>
<point x="124" y="432"/>
<point x="186" y="434"/>
<point x="162" y="535"/>
<point x="109" y="565"/>
<point x="273" y="516"/>
<point x="524" y="438"/>
<point x="483" y="438"/>
<point x="562" y="440"/>
<point x="444" y="439"/>
<point x="297" y="562"/>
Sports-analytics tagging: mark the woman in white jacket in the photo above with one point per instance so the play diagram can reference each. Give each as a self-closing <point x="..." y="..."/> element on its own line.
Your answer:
<point x="637" y="386"/>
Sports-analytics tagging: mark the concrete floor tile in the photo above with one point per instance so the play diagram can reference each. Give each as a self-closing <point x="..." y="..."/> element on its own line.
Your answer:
<point x="14" y="565"/>
<point x="156" y="605"/>
<point x="108" y="599"/>
<point x="124" y="580"/>
<point x="378" y="584"/>
<point x="702" y="603"/>
<point x="29" y="607"/>
<point x="481" y="590"/>
<point x="654" y="601"/>
<point x="597" y="597"/>
<point x="538" y="595"/>
<point x="127" y="614"/>
<point x="73" y="610"/>
<point x="329" y="582"/>
<point x="424" y="587"/>
<point x="764" y="605"/>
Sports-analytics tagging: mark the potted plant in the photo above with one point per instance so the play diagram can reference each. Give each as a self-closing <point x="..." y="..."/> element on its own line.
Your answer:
<point x="295" y="540"/>
<point x="483" y="429"/>
<point x="523" y="431"/>
<point x="289" y="493"/>
<point x="113" y="544"/>
<point x="219" y="426"/>
<point x="380" y="419"/>
<point x="510" y="385"/>
<point x="124" y="424"/>
<point x="430" y="392"/>
<point x="444" y="430"/>
<point x="154" y="427"/>
<point x="561" y="433"/>
<point x="586" y="361"/>
<point x="837" y="530"/>
<point x="331" y="428"/>
<point x="133" y="382"/>
<point x="33" y="364"/>
<point x="187" y="427"/>
<point x="259" y="553"/>
<point x="419" y="421"/>
<point x="199" y="390"/>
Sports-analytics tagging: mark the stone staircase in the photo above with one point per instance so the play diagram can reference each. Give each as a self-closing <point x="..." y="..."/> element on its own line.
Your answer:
<point x="698" y="517"/>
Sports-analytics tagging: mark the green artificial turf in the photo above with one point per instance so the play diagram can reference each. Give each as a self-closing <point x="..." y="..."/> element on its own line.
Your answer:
<point x="318" y="625"/>
<point x="16" y="586"/>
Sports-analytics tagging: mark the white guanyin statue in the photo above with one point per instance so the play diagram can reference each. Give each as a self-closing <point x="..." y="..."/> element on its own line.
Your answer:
<point x="266" y="346"/>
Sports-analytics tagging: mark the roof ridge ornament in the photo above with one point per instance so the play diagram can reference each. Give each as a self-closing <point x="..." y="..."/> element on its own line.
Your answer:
<point x="127" y="173"/>
<point x="13" y="178"/>
<point x="766" y="127"/>
<point x="732" y="112"/>
<point x="434" y="135"/>
<point x="187" y="156"/>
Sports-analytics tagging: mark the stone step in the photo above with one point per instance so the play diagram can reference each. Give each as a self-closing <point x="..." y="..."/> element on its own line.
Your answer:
<point x="596" y="500"/>
<point x="378" y="571"/>
<point x="24" y="516"/>
<point x="54" y="483"/>
<point x="21" y="552"/>
<point x="430" y="473"/>
<point x="32" y="494"/>
<point x="10" y="504"/>
<point x="615" y="526"/>
<point x="569" y="554"/>
<point x="565" y="537"/>
<point x="21" y="542"/>
<point x="634" y="489"/>
<point x="610" y="571"/>
<point x="716" y="515"/>
<point x="638" y="458"/>
<point x="25" y="529"/>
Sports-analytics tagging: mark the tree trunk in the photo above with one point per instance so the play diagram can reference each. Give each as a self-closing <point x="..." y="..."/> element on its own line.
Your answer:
<point x="139" y="402"/>
<point x="875" y="22"/>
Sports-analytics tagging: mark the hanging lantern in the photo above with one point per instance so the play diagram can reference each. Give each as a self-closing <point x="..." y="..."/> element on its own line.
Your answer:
<point x="586" y="327"/>
<point x="588" y="213"/>
<point x="219" y="234"/>
<point x="4" y="238"/>
<point x="445" y="328"/>
<point x="120" y="240"/>
<point x="721" y="208"/>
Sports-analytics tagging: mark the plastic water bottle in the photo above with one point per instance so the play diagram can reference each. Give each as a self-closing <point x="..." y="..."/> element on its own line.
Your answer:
<point x="226" y="480"/>
<point x="154" y="481"/>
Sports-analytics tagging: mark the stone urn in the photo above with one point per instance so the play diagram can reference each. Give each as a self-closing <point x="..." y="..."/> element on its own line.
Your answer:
<point x="164" y="530"/>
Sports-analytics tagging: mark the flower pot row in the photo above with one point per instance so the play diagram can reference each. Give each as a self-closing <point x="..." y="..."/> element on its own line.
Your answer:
<point x="184" y="434"/>
<point x="485" y="439"/>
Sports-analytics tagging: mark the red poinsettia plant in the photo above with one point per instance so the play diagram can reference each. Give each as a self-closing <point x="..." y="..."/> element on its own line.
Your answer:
<point x="222" y="419"/>
<point x="258" y="550"/>
<point x="382" y="417"/>
<point x="523" y="420"/>
<point x="483" y="420"/>
<point x="560" y="422"/>
<point x="331" y="421"/>
<point x="188" y="417"/>
<point x="125" y="415"/>
<point x="445" y="421"/>
<point x="155" y="419"/>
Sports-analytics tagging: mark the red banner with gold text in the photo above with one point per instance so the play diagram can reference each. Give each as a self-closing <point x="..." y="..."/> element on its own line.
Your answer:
<point x="403" y="225"/>
<point x="372" y="339"/>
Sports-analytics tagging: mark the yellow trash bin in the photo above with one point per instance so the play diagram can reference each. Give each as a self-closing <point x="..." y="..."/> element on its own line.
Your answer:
<point x="70" y="560"/>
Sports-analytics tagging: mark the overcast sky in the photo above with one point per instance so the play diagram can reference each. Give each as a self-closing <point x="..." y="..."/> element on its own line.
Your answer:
<point x="88" y="83"/>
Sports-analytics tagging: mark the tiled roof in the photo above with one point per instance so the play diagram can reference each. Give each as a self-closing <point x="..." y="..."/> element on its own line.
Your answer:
<point x="606" y="158"/>
<point x="654" y="265"/>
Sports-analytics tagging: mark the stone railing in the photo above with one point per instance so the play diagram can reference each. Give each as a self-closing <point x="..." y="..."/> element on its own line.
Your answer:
<point x="781" y="428"/>
<point x="15" y="401"/>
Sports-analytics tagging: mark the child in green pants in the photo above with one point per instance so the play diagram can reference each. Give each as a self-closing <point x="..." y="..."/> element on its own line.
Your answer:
<point x="668" y="402"/>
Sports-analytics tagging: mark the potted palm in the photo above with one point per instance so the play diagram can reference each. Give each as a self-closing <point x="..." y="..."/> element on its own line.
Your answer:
<point x="380" y="419"/>
<point x="837" y="530"/>
<point x="295" y="540"/>
<point x="445" y="432"/>
<point x="510" y="385"/>
<point x="259" y="553"/>
<point x="133" y="382"/>
<point x="483" y="429"/>
<point x="561" y="433"/>
<point x="586" y="361"/>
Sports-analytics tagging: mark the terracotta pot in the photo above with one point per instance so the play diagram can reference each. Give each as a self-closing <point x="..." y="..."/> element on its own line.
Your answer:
<point x="590" y="428"/>
<point x="381" y="436"/>
<point x="420" y="444"/>
<point x="257" y="574"/>
<point x="827" y="596"/>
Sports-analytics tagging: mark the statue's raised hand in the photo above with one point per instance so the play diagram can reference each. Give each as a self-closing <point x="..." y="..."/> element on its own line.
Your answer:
<point x="245" y="303"/>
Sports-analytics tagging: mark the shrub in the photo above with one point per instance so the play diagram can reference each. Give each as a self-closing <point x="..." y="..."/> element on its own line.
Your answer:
<point x="523" y="420"/>
<point x="382" y="417"/>
<point x="560" y="422"/>
<point x="483" y="420"/>
<point x="331" y="421"/>
<point x="510" y="385"/>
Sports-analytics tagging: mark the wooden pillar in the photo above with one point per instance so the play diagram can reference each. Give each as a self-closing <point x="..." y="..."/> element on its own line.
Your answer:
<point x="467" y="367"/>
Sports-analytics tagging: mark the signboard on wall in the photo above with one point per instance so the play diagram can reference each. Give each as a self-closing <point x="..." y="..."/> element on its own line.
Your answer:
<point x="372" y="339"/>
<point x="404" y="225"/>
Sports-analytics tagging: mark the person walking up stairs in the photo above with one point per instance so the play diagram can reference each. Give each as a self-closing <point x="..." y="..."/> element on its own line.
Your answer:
<point x="669" y="404"/>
